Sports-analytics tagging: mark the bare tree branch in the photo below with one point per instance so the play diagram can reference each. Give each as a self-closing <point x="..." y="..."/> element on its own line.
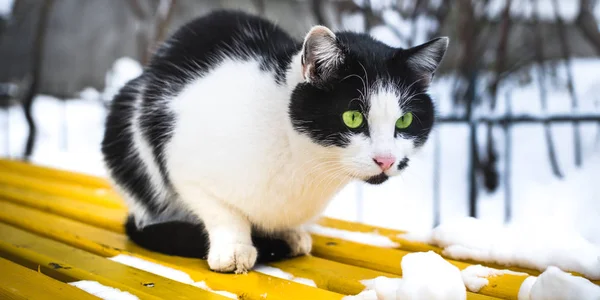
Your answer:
<point x="539" y="59"/>
<point x="468" y="70"/>
<point x="139" y="10"/>
<point x="489" y="168"/>
<point x="587" y="24"/>
<point x="260" y="6"/>
<point x="501" y="52"/>
<point x="566" y="52"/>
<point x="440" y="15"/>
<point x="163" y="19"/>
<point x="508" y="163"/>
<point x="36" y="71"/>
<point x="317" y="9"/>
<point x="415" y="13"/>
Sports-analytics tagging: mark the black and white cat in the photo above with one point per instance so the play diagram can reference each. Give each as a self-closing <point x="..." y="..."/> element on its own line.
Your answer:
<point x="236" y="135"/>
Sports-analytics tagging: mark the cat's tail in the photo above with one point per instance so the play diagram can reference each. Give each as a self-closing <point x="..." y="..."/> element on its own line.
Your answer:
<point x="191" y="240"/>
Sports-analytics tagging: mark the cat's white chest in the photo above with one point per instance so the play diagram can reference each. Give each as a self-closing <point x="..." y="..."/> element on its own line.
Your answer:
<point x="233" y="143"/>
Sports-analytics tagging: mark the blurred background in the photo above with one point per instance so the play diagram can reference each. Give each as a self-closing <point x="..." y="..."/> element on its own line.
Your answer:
<point x="518" y="97"/>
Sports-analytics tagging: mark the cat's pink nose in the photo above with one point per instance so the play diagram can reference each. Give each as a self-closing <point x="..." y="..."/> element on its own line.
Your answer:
<point x="384" y="162"/>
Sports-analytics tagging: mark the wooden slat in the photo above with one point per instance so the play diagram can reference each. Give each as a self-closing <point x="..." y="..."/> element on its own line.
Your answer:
<point x="100" y="196"/>
<point x="392" y="234"/>
<point x="68" y="264"/>
<point x="391" y="266"/>
<point x="20" y="283"/>
<point x="388" y="260"/>
<point x="106" y="243"/>
<point x="101" y="216"/>
<point x="330" y="275"/>
<point x="21" y="167"/>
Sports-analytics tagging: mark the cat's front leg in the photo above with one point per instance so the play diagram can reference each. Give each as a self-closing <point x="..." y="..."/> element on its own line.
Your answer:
<point x="229" y="234"/>
<point x="231" y="248"/>
<point x="298" y="239"/>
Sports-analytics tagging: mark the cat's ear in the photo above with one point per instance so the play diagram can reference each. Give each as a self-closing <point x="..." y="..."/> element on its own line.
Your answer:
<point x="321" y="54"/>
<point x="425" y="58"/>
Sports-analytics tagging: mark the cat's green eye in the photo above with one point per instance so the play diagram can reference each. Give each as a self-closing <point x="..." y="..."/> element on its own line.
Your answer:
<point x="404" y="121"/>
<point x="353" y="118"/>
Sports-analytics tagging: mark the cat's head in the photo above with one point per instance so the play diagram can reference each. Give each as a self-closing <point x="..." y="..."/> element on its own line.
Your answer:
<point x="364" y="101"/>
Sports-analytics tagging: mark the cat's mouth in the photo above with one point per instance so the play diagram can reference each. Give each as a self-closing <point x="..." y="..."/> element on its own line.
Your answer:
<point x="383" y="177"/>
<point x="377" y="179"/>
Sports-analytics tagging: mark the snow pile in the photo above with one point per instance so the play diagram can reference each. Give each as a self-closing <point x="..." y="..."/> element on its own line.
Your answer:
<point x="123" y="70"/>
<point x="425" y="275"/>
<point x="102" y="291"/>
<point x="368" y="238"/>
<point x="524" y="246"/>
<point x="554" y="284"/>
<point x="275" y="272"/>
<point x="167" y="272"/>
<point x="476" y="277"/>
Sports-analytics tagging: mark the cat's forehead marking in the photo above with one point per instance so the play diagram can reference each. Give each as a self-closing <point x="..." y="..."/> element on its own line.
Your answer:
<point x="383" y="102"/>
<point x="383" y="112"/>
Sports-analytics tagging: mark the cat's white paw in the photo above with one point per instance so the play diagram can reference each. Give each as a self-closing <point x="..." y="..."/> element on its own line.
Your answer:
<point x="237" y="258"/>
<point x="299" y="241"/>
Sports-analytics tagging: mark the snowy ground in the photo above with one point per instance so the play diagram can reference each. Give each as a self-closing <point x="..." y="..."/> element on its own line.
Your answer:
<point x="70" y="133"/>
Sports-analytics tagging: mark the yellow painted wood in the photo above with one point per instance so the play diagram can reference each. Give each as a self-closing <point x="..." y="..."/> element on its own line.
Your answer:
<point x="331" y="275"/>
<point x="388" y="260"/>
<point x="497" y="285"/>
<point x="20" y="283"/>
<point x="318" y="274"/>
<point x="334" y="276"/>
<point x="321" y="271"/>
<point x="106" y="243"/>
<point x="101" y="196"/>
<point x="21" y="167"/>
<point x="68" y="264"/>
<point x="389" y="233"/>
<point x="101" y="216"/>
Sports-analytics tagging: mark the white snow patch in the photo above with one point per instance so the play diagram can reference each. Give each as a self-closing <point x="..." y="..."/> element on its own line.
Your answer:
<point x="425" y="275"/>
<point x="204" y="286"/>
<point x="554" y="284"/>
<point x="531" y="246"/>
<point x="275" y="272"/>
<point x="476" y="277"/>
<point x="103" y="292"/>
<point x="153" y="268"/>
<point x="364" y="295"/>
<point x="6" y="7"/>
<point x="165" y="271"/>
<point x="369" y="238"/>
<point x="525" y="288"/>
<point x="89" y="94"/>
<point x="123" y="70"/>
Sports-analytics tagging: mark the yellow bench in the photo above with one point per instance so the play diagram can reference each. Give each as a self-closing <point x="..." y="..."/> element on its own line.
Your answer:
<point x="58" y="227"/>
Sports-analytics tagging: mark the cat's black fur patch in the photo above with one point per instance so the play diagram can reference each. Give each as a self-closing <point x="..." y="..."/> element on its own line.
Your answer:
<point x="119" y="152"/>
<point x="377" y="179"/>
<point x="403" y="163"/>
<point x="191" y="240"/>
